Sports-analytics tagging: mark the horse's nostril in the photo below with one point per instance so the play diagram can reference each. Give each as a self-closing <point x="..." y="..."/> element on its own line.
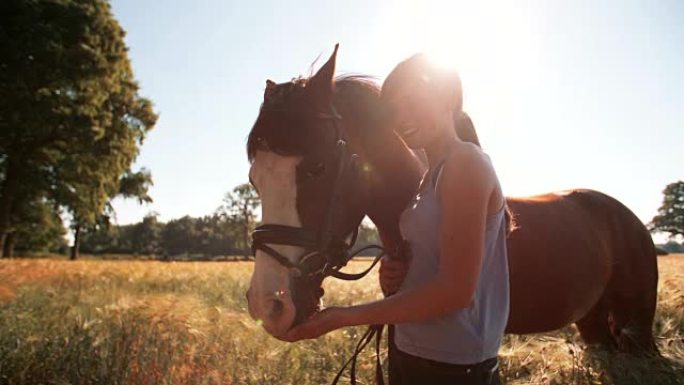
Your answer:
<point x="276" y="308"/>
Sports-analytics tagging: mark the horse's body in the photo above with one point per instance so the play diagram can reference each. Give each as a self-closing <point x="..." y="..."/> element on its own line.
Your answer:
<point x="581" y="256"/>
<point x="575" y="257"/>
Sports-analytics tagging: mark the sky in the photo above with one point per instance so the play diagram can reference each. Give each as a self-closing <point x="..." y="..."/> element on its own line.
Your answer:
<point x="563" y="94"/>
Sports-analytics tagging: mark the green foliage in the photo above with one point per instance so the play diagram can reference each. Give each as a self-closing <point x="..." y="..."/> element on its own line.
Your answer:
<point x="179" y="236"/>
<point x="101" y="238"/>
<point x="209" y="236"/>
<point x="225" y="232"/>
<point x="146" y="235"/>
<point x="670" y="218"/>
<point x="40" y="229"/>
<point x="71" y="119"/>
<point x="672" y="247"/>
<point x="215" y="235"/>
<point x="240" y="207"/>
<point x="136" y="185"/>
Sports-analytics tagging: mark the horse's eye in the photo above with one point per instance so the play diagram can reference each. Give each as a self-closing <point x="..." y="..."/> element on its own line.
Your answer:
<point x="316" y="171"/>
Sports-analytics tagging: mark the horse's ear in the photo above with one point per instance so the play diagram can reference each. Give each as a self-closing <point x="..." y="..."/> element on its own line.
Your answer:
<point x="321" y="84"/>
<point x="270" y="88"/>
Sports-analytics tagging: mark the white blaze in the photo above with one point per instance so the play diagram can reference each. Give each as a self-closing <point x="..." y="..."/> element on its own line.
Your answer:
<point x="274" y="176"/>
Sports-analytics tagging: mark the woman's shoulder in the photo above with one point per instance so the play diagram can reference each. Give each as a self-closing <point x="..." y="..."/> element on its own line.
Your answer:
<point x="467" y="160"/>
<point x="468" y="172"/>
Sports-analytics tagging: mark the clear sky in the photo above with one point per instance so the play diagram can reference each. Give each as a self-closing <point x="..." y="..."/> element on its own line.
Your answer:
<point x="564" y="95"/>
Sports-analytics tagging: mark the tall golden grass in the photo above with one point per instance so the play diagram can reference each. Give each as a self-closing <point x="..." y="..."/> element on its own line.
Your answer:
<point x="123" y="322"/>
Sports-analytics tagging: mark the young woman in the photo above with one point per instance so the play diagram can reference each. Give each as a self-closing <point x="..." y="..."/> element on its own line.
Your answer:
<point x="452" y="300"/>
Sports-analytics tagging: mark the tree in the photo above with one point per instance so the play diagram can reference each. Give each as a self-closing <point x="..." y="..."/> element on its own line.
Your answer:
<point x="178" y="236"/>
<point x="214" y="235"/>
<point x="670" y="218"/>
<point x="35" y="221"/>
<point x="131" y="185"/>
<point x="71" y="119"/>
<point x="103" y="237"/>
<point x="240" y="206"/>
<point x="146" y="236"/>
<point x="40" y="229"/>
<point x="136" y="185"/>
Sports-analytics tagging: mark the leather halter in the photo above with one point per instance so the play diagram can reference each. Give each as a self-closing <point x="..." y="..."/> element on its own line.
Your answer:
<point x="325" y="253"/>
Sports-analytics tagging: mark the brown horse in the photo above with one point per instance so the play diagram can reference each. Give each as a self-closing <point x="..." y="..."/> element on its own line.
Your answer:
<point x="577" y="256"/>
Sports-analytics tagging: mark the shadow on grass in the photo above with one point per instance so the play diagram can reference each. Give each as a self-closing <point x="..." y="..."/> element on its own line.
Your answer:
<point x="624" y="369"/>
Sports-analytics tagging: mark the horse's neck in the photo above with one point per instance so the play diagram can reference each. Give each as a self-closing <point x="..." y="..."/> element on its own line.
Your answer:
<point x="395" y="176"/>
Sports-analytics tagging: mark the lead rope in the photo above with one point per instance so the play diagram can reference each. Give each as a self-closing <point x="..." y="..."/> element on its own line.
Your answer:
<point x="401" y="251"/>
<point x="372" y="331"/>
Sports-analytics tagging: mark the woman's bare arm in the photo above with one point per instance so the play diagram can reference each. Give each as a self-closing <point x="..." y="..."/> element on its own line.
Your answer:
<point x="464" y="191"/>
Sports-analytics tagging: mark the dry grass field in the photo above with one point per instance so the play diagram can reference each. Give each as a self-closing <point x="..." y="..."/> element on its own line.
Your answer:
<point x="125" y="322"/>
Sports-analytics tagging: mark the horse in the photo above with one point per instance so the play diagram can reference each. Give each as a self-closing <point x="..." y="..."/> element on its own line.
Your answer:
<point x="321" y="159"/>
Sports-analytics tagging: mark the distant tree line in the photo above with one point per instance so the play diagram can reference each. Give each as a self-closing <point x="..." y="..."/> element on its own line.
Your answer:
<point x="224" y="233"/>
<point x="207" y="236"/>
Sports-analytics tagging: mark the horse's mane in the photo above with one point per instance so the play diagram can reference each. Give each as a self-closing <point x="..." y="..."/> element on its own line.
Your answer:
<point x="287" y="123"/>
<point x="284" y="121"/>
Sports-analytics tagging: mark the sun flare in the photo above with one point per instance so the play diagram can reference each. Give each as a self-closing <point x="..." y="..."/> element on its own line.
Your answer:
<point x="492" y="46"/>
<point x="476" y="38"/>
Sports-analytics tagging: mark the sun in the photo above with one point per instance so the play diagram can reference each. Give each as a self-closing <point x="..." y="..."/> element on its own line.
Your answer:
<point x="482" y="40"/>
<point x="494" y="48"/>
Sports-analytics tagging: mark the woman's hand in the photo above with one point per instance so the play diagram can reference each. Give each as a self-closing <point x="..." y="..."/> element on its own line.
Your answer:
<point x="320" y="323"/>
<point x="392" y="274"/>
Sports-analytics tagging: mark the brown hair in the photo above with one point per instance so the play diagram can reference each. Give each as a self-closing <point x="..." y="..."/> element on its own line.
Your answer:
<point x="420" y="67"/>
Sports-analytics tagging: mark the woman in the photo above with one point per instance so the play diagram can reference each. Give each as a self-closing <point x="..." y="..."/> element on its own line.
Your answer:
<point x="451" y="302"/>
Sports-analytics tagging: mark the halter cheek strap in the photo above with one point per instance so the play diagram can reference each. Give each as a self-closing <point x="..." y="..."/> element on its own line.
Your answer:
<point x="325" y="254"/>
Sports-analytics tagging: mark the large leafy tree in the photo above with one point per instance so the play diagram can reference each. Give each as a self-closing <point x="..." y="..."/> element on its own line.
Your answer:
<point x="34" y="220"/>
<point x="71" y="119"/>
<point x="670" y="218"/>
<point x="39" y="229"/>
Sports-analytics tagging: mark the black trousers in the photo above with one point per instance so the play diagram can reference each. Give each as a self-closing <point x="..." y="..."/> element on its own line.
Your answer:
<point x="406" y="369"/>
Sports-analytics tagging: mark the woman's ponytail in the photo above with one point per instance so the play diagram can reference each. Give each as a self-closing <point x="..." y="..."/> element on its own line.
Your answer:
<point x="465" y="130"/>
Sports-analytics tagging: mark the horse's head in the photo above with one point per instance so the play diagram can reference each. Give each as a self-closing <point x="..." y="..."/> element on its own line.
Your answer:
<point x="312" y="196"/>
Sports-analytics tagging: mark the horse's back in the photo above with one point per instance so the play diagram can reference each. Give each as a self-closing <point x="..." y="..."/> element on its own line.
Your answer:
<point x="563" y="251"/>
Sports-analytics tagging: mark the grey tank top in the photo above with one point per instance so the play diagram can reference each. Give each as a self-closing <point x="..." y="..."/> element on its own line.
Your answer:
<point x="465" y="336"/>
